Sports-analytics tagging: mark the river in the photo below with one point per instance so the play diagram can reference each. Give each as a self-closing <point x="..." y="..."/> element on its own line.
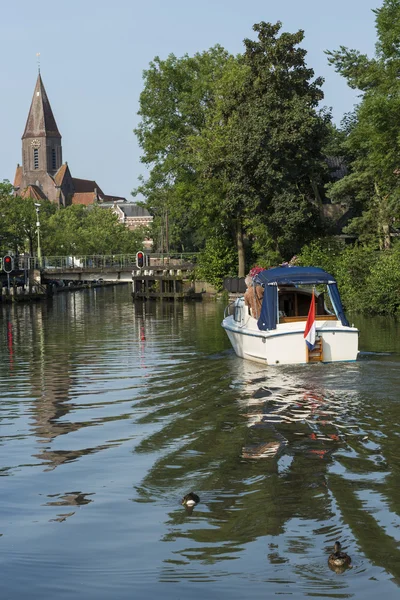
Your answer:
<point x="112" y="411"/>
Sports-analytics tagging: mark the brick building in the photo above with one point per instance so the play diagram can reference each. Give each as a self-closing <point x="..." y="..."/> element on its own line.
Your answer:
<point x="43" y="175"/>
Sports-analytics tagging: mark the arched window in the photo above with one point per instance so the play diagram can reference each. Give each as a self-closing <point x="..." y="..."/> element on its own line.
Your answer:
<point x="53" y="159"/>
<point x="36" y="158"/>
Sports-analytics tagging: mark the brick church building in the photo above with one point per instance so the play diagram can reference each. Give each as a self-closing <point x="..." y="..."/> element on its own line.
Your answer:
<point x="43" y="175"/>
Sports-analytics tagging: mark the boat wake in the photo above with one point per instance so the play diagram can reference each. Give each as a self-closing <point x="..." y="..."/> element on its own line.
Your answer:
<point x="297" y="417"/>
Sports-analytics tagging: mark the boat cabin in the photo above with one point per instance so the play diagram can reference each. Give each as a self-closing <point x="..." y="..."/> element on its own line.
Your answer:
<point x="294" y="304"/>
<point x="284" y="300"/>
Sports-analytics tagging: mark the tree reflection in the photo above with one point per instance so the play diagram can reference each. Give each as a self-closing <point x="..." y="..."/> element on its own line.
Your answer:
<point x="50" y="341"/>
<point x="258" y="467"/>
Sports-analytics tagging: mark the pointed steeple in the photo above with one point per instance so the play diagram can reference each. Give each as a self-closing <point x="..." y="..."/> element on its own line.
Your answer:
<point x="41" y="121"/>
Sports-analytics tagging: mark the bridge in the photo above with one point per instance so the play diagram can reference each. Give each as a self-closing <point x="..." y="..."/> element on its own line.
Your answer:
<point x="161" y="276"/>
<point x="120" y="267"/>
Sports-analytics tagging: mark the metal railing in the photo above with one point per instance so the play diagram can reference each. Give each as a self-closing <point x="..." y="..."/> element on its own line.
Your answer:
<point x="118" y="261"/>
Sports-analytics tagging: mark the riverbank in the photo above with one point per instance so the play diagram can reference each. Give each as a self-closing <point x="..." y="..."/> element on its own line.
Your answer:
<point x="40" y="292"/>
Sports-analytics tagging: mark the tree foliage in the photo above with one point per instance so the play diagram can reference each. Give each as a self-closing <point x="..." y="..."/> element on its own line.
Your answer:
<point x="369" y="281"/>
<point x="73" y="231"/>
<point x="216" y="261"/>
<point x="18" y="220"/>
<point x="234" y="144"/>
<point x="177" y="94"/>
<point x="373" y="141"/>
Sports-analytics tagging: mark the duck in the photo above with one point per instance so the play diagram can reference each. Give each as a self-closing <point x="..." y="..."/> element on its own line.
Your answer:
<point x="190" y="499"/>
<point x="339" y="558"/>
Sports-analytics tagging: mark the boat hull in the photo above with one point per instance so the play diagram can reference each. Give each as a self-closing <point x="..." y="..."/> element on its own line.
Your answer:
<point x="286" y="345"/>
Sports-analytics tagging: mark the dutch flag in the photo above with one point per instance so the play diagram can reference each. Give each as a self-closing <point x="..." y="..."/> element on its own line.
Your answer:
<point x="309" y="332"/>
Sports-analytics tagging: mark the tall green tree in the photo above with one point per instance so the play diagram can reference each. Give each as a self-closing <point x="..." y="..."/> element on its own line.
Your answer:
<point x="233" y="144"/>
<point x="174" y="103"/>
<point x="261" y="151"/>
<point x="373" y="142"/>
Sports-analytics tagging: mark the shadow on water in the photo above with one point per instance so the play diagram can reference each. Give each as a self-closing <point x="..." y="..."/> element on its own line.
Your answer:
<point x="278" y="450"/>
<point x="144" y="403"/>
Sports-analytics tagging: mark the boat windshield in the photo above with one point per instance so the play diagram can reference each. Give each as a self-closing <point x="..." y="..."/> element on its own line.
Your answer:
<point x="294" y="304"/>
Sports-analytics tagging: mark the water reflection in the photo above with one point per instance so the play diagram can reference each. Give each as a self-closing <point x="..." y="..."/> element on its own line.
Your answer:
<point x="307" y="446"/>
<point x="134" y="405"/>
<point x="47" y="365"/>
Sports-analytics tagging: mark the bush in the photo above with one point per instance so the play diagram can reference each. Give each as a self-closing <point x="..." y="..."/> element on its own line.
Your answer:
<point x="368" y="280"/>
<point x="383" y="284"/>
<point x="217" y="261"/>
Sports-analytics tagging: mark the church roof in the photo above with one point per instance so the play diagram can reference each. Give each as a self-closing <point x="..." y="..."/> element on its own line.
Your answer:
<point x="82" y="186"/>
<point x="18" y="177"/>
<point x="41" y="121"/>
<point x="85" y="198"/>
<point x="33" y="191"/>
<point x="59" y="176"/>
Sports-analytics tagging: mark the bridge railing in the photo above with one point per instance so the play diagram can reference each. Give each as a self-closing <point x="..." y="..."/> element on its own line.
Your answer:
<point x="121" y="261"/>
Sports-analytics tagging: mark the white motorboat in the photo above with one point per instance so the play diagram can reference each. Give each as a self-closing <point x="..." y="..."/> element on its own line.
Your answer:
<point x="276" y="336"/>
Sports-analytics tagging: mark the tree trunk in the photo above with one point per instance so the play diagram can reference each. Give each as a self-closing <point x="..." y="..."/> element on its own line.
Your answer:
<point x="383" y="220"/>
<point x="240" y="249"/>
<point x="386" y="241"/>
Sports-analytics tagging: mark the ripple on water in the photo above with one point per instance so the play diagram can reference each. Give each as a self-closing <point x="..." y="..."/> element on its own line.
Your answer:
<point x="103" y="433"/>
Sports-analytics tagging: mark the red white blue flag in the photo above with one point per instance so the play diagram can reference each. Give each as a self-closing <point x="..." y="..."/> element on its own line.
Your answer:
<point x="309" y="332"/>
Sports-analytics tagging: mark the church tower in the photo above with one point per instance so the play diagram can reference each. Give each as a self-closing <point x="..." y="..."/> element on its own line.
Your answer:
<point x="42" y="175"/>
<point x="41" y="141"/>
<point x="41" y="150"/>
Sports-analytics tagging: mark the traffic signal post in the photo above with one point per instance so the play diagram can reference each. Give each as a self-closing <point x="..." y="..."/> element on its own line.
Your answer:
<point x="8" y="267"/>
<point x="142" y="259"/>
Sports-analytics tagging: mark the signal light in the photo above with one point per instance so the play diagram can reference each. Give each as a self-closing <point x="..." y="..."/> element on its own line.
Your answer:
<point x="8" y="263"/>
<point x="139" y="260"/>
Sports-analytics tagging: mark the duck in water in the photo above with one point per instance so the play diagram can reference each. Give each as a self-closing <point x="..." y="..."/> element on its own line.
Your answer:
<point x="190" y="499"/>
<point x="338" y="558"/>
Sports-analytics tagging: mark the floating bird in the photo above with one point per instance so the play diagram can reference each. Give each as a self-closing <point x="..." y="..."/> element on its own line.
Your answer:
<point x="190" y="499"/>
<point x="339" y="558"/>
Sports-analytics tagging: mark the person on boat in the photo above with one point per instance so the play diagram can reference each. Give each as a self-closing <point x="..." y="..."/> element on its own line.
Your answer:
<point x="253" y="297"/>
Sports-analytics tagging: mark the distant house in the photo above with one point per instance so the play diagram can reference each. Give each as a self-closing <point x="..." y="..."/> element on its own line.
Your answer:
<point x="131" y="215"/>
<point x="337" y="167"/>
<point x="338" y="214"/>
<point x="43" y="175"/>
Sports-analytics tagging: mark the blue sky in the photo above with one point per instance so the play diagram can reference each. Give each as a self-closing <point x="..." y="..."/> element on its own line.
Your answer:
<point x="93" y="53"/>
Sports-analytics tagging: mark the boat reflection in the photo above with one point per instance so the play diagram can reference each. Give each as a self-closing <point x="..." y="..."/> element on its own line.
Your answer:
<point x="280" y="449"/>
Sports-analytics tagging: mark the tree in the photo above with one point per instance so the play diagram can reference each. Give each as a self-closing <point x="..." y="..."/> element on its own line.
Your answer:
<point x="6" y="193"/>
<point x="78" y="230"/>
<point x="173" y="106"/>
<point x="216" y="261"/>
<point x="18" y="222"/>
<point x="373" y="140"/>
<point x="263" y="145"/>
<point x="234" y="144"/>
<point x="72" y="231"/>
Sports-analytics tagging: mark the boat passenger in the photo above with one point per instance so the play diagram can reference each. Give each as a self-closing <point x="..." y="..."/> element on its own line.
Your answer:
<point x="253" y="297"/>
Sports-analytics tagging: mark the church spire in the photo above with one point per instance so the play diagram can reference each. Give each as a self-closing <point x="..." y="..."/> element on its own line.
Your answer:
<point x="41" y="121"/>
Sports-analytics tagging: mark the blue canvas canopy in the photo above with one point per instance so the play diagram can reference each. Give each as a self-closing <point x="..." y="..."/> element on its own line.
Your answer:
<point x="271" y="278"/>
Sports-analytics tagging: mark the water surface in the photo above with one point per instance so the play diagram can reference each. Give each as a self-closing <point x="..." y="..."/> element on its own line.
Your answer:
<point x="111" y="411"/>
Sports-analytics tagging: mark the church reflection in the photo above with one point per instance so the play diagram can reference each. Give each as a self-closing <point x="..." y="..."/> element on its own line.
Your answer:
<point x="270" y="455"/>
<point x="49" y="353"/>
